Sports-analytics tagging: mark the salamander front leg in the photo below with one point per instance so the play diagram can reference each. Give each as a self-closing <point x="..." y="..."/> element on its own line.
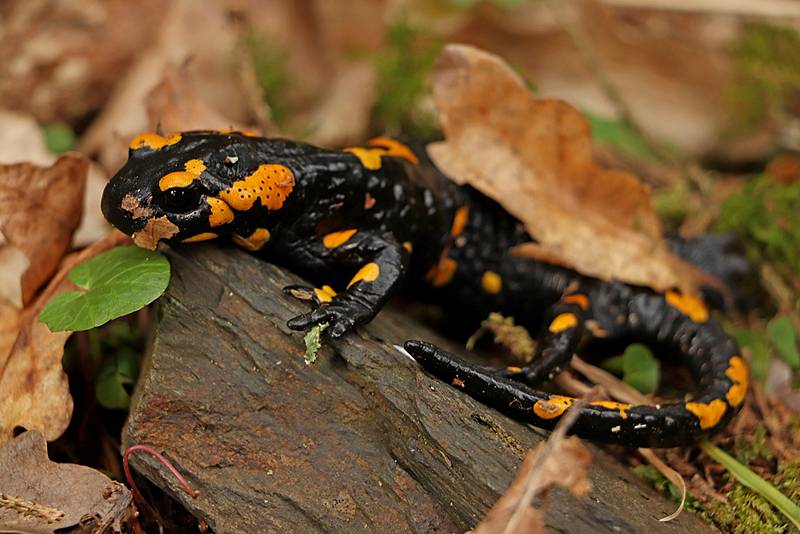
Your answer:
<point x="380" y="262"/>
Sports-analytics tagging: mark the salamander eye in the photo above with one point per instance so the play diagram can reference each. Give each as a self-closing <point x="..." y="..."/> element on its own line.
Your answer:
<point x="180" y="199"/>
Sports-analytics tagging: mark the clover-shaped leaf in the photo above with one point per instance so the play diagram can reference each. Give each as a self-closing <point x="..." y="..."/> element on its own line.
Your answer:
<point x="116" y="283"/>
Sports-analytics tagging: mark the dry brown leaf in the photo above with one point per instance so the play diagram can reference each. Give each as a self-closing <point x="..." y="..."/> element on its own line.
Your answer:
<point x="40" y="208"/>
<point x="38" y="496"/>
<point x="175" y="105"/>
<point x="35" y="391"/>
<point x="534" y="156"/>
<point x="183" y="36"/>
<point x="59" y="60"/>
<point x="567" y="464"/>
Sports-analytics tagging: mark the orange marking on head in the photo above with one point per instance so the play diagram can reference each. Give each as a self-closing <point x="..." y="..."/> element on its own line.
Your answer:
<point x="513" y="369"/>
<point x="271" y="183"/>
<point x="369" y="157"/>
<point x="441" y="273"/>
<point x="491" y="282"/>
<point x="393" y="147"/>
<point x="221" y="213"/>
<point x="153" y="140"/>
<point x="708" y="414"/>
<point x="553" y="407"/>
<point x="367" y="273"/>
<point x="622" y="407"/>
<point x="563" y="322"/>
<point x="409" y="246"/>
<point x="192" y="171"/>
<point x="204" y="236"/>
<point x="337" y="239"/>
<point x="688" y="305"/>
<point x="459" y="221"/>
<point x="254" y="241"/>
<point x="737" y="372"/>
<point x="577" y="298"/>
<point x="325" y="293"/>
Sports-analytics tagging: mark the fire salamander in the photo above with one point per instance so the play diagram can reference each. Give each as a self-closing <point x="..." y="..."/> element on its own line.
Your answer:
<point x="361" y="221"/>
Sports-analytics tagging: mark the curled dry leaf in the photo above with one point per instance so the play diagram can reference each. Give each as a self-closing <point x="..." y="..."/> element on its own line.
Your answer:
<point x="34" y="389"/>
<point x="40" y="208"/>
<point x="534" y="156"/>
<point x="40" y="496"/>
<point x="567" y="464"/>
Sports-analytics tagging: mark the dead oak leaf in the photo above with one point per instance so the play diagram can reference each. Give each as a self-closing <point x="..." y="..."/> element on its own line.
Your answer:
<point x="40" y="208"/>
<point x="34" y="391"/>
<point x="534" y="157"/>
<point x="567" y="464"/>
<point x="40" y="496"/>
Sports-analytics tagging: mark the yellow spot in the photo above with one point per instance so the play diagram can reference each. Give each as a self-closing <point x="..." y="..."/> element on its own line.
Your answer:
<point x="709" y="414"/>
<point x="271" y="183"/>
<point x="688" y="305"/>
<point x="194" y="166"/>
<point x="459" y="221"/>
<point x="248" y="133"/>
<point x="370" y="157"/>
<point x="577" y="298"/>
<point x="337" y="239"/>
<point x="441" y="273"/>
<point x="325" y="293"/>
<point x="221" y="213"/>
<point x="563" y="322"/>
<point x="153" y="140"/>
<point x="192" y="170"/>
<point x="392" y="147"/>
<point x="737" y="372"/>
<point x="367" y="273"/>
<point x="614" y="406"/>
<point x="491" y="282"/>
<point x="255" y="241"/>
<point x="409" y="246"/>
<point x="552" y="407"/>
<point x="205" y="236"/>
<point x="513" y="369"/>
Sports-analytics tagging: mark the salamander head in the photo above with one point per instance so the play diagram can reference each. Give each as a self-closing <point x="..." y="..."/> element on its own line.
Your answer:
<point x="192" y="186"/>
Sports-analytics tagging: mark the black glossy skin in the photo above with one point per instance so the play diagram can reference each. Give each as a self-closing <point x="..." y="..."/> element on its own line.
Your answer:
<point x="403" y="215"/>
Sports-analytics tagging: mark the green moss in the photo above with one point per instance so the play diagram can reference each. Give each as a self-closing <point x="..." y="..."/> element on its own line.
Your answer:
<point x="764" y="214"/>
<point x="747" y="449"/>
<point x="654" y="477"/>
<point x="403" y="67"/>
<point x="272" y="75"/>
<point x="746" y="513"/>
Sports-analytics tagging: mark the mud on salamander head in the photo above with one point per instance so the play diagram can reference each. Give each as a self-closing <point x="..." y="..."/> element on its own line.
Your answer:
<point x="195" y="186"/>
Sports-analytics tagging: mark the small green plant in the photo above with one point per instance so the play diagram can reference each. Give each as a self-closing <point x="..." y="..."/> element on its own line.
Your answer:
<point x="765" y="215"/>
<point x="638" y="367"/>
<point x="402" y="70"/>
<point x="59" y="137"/>
<point x="115" y="283"/>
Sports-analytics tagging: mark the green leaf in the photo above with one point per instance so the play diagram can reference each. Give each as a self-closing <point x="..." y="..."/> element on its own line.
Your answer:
<point x="117" y="282"/>
<point x="613" y="364"/>
<point x="640" y="369"/>
<point x="59" y="137"/>
<point x="117" y="372"/>
<point x="757" y="346"/>
<point x="782" y="334"/>
<point x="313" y="344"/>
